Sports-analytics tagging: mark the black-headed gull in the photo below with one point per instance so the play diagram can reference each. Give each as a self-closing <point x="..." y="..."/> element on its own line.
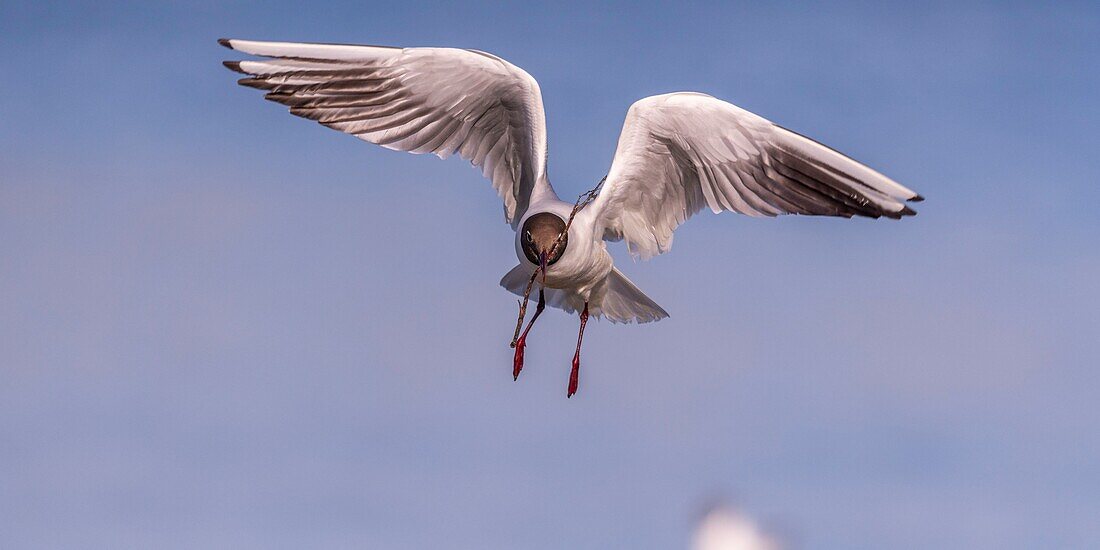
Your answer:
<point x="677" y="153"/>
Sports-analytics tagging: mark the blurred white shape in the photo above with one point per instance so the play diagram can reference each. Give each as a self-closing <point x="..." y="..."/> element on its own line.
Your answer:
<point x="724" y="528"/>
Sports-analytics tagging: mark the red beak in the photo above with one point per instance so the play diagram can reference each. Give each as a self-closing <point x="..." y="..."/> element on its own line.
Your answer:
<point x="542" y="264"/>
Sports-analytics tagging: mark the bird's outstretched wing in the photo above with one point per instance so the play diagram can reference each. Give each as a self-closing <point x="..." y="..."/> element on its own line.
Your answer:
<point x="682" y="151"/>
<point x="421" y="100"/>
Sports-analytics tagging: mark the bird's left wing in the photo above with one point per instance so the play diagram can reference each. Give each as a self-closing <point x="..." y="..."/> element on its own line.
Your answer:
<point x="682" y="151"/>
<point x="421" y="100"/>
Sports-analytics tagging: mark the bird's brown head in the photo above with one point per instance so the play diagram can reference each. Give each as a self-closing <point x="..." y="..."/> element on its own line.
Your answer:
<point x="538" y="236"/>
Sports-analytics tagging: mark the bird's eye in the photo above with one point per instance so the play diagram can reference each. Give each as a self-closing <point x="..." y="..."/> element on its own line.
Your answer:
<point x="527" y="236"/>
<point x="560" y="234"/>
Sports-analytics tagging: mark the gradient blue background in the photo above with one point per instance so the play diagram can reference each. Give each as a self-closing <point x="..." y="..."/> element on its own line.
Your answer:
<point x="223" y="327"/>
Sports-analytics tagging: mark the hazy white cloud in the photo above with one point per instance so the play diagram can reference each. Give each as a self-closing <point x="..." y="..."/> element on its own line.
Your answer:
<point x="725" y="528"/>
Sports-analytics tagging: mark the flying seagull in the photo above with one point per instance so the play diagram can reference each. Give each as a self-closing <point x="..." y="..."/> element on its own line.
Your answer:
<point x="677" y="153"/>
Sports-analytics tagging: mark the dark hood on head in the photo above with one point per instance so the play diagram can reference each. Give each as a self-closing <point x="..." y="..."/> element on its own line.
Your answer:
<point x="538" y="235"/>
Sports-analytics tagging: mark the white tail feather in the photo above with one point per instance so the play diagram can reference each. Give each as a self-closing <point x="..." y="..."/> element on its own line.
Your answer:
<point x="617" y="299"/>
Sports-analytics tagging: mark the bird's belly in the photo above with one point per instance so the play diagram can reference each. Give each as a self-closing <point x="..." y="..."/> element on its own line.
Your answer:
<point x="581" y="270"/>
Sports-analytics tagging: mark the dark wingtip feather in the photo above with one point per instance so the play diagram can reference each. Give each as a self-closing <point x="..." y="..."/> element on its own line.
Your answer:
<point x="225" y="42"/>
<point x="234" y="66"/>
<point x="258" y="83"/>
<point x="916" y="198"/>
<point x="908" y="212"/>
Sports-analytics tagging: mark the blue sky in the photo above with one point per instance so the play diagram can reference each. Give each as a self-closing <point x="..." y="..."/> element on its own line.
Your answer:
<point x="225" y="327"/>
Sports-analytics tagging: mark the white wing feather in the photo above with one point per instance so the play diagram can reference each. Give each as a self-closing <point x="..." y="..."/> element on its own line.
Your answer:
<point x="421" y="100"/>
<point x="682" y="151"/>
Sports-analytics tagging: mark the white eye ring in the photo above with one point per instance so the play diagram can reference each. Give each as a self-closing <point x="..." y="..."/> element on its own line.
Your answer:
<point x="527" y="235"/>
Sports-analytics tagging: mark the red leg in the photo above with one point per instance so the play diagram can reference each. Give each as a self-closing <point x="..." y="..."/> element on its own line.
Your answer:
<point x="517" y="360"/>
<point x="574" y="375"/>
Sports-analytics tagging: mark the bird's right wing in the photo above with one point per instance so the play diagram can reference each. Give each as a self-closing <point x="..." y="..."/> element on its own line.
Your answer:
<point x="680" y="152"/>
<point x="421" y="100"/>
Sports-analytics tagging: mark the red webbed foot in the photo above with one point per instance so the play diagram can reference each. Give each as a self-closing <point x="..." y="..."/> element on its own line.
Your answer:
<point x="517" y="360"/>
<point x="574" y="375"/>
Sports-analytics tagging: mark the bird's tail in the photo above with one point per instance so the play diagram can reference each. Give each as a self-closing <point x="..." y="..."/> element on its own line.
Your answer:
<point x="617" y="299"/>
<point x="623" y="302"/>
